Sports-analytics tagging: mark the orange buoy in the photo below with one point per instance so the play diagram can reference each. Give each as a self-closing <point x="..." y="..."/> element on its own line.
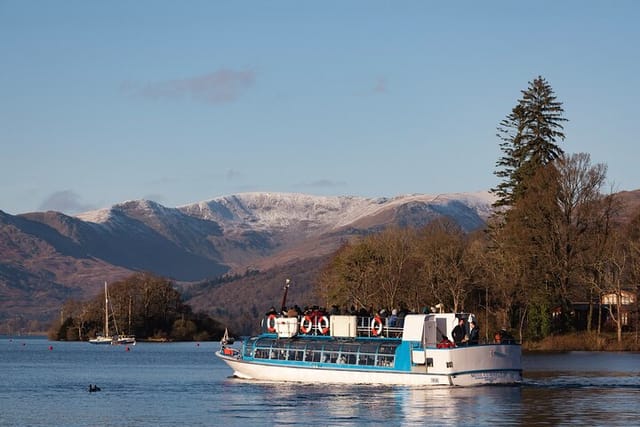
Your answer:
<point x="271" y="323"/>
<point x="376" y="326"/>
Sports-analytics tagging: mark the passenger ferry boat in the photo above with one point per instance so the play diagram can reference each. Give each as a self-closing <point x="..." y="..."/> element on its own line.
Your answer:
<point x="349" y="349"/>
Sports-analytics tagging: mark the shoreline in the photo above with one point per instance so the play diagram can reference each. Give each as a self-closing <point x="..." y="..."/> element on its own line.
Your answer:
<point x="585" y="341"/>
<point x="577" y="341"/>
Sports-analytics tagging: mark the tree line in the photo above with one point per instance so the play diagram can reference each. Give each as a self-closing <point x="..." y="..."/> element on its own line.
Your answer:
<point x="555" y="239"/>
<point x="144" y="305"/>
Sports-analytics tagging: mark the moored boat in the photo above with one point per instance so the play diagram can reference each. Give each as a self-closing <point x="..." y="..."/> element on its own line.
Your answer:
<point x="352" y="349"/>
<point x="105" y="338"/>
<point x="101" y="339"/>
<point x="124" y="339"/>
<point x="118" y="338"/>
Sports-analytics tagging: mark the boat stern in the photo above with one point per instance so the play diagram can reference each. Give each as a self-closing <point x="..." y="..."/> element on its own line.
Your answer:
<point x="476" y="365"/>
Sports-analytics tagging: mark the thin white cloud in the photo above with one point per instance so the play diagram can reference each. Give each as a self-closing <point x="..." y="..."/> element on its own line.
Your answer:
<point x="220" y="87"/>
<point x="65" y="201"/>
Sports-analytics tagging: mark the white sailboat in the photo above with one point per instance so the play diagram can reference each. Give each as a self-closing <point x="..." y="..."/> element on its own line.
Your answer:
<point x="124" y="338"/>
<point x="105" y="338"/>
<point x="118" y="338"/>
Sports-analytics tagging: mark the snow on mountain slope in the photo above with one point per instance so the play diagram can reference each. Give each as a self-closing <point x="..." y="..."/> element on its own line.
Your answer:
<point x="262" y="211"/>
<point x="280" y="210"/>
<point x="133" y="208"/>
<point x="232" y="229"/>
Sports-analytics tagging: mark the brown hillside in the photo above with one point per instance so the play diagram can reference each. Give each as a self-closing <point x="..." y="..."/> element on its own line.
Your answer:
<point x="241" y="304"/>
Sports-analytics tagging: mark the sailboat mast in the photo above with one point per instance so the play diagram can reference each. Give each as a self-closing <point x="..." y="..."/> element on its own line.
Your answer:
<point x="106" y="311"/>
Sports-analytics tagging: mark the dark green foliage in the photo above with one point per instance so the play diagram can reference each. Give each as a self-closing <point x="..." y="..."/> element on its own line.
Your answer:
<point x="59" y="332"/>
<point x="143" y="305"/>
<point x="529" y="136"/>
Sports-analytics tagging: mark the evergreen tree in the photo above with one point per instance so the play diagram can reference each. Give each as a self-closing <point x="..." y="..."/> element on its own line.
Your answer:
<point x="529" y="137"/>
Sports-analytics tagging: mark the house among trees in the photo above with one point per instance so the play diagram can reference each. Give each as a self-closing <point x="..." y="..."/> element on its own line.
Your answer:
<point x="613" y="306"/>
<point x="626" y="304"/>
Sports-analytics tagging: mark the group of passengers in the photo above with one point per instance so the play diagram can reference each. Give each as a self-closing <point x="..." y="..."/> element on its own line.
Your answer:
<point x="314" y="312"/>
<point x="462" y="337"/>
<point x="393" y="320"/>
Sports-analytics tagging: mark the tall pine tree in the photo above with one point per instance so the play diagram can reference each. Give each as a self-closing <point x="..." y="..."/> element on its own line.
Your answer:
<point x="529" y="137"/>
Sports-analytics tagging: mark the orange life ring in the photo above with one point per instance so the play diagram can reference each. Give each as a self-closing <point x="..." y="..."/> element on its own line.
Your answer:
<point x="376" y="326"/>
<point x="271" y="323"/>
<point x="306" y="325"/>
<point x="323" y="325"/>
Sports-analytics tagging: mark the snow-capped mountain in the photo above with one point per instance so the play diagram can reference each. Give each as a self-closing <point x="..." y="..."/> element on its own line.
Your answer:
<point x="52" y="254"/>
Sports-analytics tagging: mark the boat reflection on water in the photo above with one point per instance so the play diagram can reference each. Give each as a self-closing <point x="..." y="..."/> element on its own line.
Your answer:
<point x="289" y="403"/>
<point x="457" y="405"/>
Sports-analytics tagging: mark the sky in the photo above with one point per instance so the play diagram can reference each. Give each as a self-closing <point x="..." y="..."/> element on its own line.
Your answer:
<point x="181" y="102"/>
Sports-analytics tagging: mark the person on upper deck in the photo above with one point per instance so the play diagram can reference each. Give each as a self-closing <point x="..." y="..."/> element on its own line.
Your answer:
<point x="506" y="337"/>
<point x="392" y="321"/>
<point x="459" y="332"/>
<point x="474" y="333"/>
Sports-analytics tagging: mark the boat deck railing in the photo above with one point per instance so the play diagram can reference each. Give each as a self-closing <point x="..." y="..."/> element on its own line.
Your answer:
<point x="366" y="326"/>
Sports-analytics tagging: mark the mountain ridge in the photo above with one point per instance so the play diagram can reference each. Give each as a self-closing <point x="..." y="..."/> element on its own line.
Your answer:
<point x="48" y="257"/>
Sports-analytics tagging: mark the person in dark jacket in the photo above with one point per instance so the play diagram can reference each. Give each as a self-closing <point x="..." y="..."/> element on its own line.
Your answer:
<point x="474" y="333"/>
<point x="506" y="337"/>
<point x="459" y="332"/>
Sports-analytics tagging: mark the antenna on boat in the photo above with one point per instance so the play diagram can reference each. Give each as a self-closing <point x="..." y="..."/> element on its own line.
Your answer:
<point x="284" y="297"/>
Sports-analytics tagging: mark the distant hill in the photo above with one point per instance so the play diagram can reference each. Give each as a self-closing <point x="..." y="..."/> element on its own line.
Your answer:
<point x="239" y="303"/>
<point x="48" y="257"/>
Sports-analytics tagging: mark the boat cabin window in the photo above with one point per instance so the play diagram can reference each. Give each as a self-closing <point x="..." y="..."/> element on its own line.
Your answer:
<point x="351" y="353"/>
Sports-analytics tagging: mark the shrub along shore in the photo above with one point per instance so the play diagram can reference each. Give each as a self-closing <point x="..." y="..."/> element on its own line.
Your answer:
<point x="585" y="341"/>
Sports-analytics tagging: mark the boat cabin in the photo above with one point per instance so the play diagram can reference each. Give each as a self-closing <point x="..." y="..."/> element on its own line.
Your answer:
<point x="426" y="329"/>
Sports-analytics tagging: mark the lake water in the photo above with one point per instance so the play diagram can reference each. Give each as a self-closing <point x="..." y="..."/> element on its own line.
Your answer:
<point x="185" y="384"/>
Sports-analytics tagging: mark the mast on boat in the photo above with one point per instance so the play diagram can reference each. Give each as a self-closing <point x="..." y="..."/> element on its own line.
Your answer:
<point x="284" y="297"/>
<point x="106" y="310"/>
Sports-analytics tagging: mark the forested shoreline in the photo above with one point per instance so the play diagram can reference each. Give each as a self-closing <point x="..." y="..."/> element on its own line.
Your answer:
<point x="144" y="305"/>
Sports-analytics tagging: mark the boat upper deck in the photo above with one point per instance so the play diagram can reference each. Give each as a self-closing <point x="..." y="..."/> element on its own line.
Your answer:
<point x="340" y="326"/>
<point x="426" y="329"/>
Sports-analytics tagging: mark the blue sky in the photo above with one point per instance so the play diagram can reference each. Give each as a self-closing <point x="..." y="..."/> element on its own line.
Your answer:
<point x="179" y="102"/>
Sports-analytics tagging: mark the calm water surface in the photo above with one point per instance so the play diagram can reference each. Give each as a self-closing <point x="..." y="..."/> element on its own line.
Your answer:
<point x="185" y="384"/>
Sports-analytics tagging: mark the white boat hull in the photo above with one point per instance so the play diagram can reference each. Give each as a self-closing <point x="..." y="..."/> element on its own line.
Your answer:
<point x="347" y="357"/>
<point x="101" y="340"/>
<point x="418" y="376"/>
